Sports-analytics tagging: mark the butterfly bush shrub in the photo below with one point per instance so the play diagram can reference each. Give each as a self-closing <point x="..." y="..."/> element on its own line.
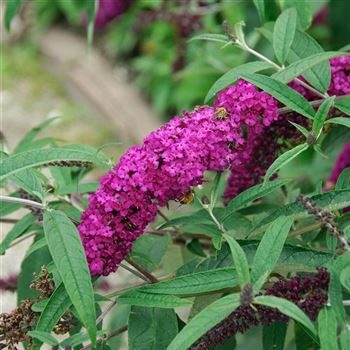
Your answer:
<point x="231" y="220"/>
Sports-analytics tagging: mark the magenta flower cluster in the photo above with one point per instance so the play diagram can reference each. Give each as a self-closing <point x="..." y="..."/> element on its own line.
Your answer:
<point x="308" y="293"/>
<point x="109" y="10"/>
<point x="165" y="167"/>
<point x="241" y="133"/>
<point x="263" y="148"/>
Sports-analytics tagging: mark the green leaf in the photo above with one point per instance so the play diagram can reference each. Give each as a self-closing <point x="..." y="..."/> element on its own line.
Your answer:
<point x="91" y="9"/>
<point x="30" y="136"/>
<point x="151" y="328"/>
<point x="302" y="65"/>
<point x="253" y="193"/>
<point x="270" y="247"/>
<point x="8" y="208"/>
<point x="28" y="180"/>
<point x="260" y="7"/>
<point x="240" y="261"/>
<point x="211" y="37"/>
<point x="274" y="336"/>
<point x="33" y="158"/>
<point x="335" y="294"/>
<point x="300" y="128"/>
<point x="345" y="339"/>
<point x="40" y="243"/>
<point x="17" y="230"/>
<point x="287" y="308"/>
<point x="283" y="33"/>
<point x="233" y="74"/>
<point x="205" y="320"/>
<point x="149" y="250"/>
<point x="321" y="115"/>
<point x="327" y="329"/>
<point x="343" y="104"/>
<point x="68" y="255"/>
<point x="284" y="159"/>
<point x="214" y="193"/>
<point x="29" y="266"/>
<point x="343" y="181"/>
<point x="304" y="11"/>
<point x="40" y="305"/>
<point x="282" y="93"/>
<point x="339" y="121"/>
<point x="345" y="278"/>
<point x="44" y="337"/>
<point x="12" y="6"/>
<point x="141" y="298"/>
<point x="329" y="201"/>
<point x="304" y="46"/>
<point x="200" y="282"/>
<point x="56" y="306"/>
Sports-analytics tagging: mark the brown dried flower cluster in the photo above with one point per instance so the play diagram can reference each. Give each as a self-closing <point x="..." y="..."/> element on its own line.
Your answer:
<point x="14" y="326"/>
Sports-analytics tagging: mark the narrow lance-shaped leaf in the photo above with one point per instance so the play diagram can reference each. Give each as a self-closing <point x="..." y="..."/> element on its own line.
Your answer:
<point x="302" y="65"/>
<point x="345" y="339"/>
<point x="221" y="38"/>
<point x="141" y="298"/>
<point x="319" y="76"/>
<point x="205" y="320"/>
<point x="240" y="261"/>
<point x="345" y="278"/>
<point x="283" y="159"/>
<point x="300" y="128"/>
<point x="12" y="7"/>
<point x="151" y="328"/>
<point x="329" y="201"/>
<point x="254" y="193"/>
<point x="33" y="158"/>
<point x="44" y="337"/>
<point x="56" y="306"/>
<point x="16" y="231"/>
<point x="274" y="336"/>
<point x="30" y="136"/>
<point x="321" y="115"/>
<point x="287" y="308"/>
<point x="327" y="329"/>
<point x="343" y="181"/>
<point x="233" y="74"/>
<point x="270" y="247"/>
<point x="339" y="121"/>
<point x="194" y="283"/>
<point x="304" y="11"/>
<point x="260" y="6"/>
<point x="282" y="93"/>
<point x="68" y="255"/>
<point x="343" y="104"/>
<point x="283" y="33"/>
<point x="91" y="7"/>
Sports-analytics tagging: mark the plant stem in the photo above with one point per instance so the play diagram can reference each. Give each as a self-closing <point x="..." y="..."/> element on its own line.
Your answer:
<point x="25" y="202"/>
<point x="305" y="229"/>
<point x="245" y="47"/>
<point x="144" y="272"/>
<point x="217" y="223"/>
<point x="134" y="272"/>
<point x="8" y="221"/>
<point x="105" y="312"/>
<point x="109" y="336"/>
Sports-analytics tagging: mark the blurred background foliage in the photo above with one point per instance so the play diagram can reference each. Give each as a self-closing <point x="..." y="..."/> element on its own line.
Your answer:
<point x="152" y="37"/>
